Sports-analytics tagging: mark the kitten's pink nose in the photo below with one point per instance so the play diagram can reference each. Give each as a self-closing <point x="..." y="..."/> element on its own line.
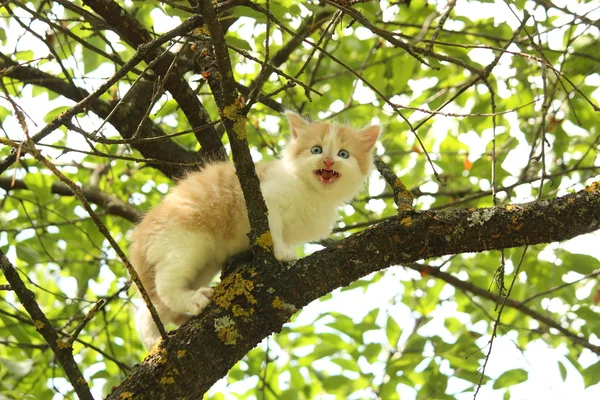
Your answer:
<point x="328" y="162"/>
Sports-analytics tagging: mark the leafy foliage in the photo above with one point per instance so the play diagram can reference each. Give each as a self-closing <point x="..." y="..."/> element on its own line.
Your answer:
<point x="526" y="129"/>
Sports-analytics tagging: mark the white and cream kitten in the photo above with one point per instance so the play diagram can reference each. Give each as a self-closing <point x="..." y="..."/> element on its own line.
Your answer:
<point x="183" y="243"/>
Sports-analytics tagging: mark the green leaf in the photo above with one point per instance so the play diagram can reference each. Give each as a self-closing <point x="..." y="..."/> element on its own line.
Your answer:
<point x="289" y="394"/>
<point x="346" y="364"/>
<point x="563" y="371"/>
<point x="28" y="254"/>
<point x="591" y="375"/>
<point x="102" y="374"/>
<point x="471" y="376"/>
<point x="392" y="331"/>
<point x="18" y="368"/>
<point x="580" y="263"/>
<point x="39" y="184"/>
<point x="55" y="113"/>
<point x="25" y="55"/>
<point x="372" y="351"/>
<point x="297" y="380"/>
<point x="238" y="43"/>
<point x="511" y="378"/>
<point x="333" y="383"/>
<point x="91" y="59"/>
<point x="388" y="390"/>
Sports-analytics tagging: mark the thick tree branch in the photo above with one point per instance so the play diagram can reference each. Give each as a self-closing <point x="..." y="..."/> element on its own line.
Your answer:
<point x="254" y="301"/>
<point x="110" y="203"/>
<point x="62" y="349"/>
<point x="234" y="119"/>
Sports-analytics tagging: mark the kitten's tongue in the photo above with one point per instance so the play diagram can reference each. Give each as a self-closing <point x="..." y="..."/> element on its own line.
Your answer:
<point x="327" y="174"/>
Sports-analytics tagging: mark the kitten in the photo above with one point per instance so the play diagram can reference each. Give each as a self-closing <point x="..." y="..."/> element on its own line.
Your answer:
<point x="182" y="244"/>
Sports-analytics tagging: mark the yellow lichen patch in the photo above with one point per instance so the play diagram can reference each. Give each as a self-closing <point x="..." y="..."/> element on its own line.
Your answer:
<point x="228" y="335"/>
<point x="202" y="30"/>
<point x="126" y="396"/>
<point x="399" y="185"/>
<point x="282" y="305"/>
<point x="405" y="207"/>
<point x="82" y="381"/>
<point x="180" y="353"/>
<point x="571" y="200"/>
<point x="278" y="302"/>
<point x="167" y="380"/>
<point x="509" y="207"/>
<point x="39" y="324"/>
<point x="265" y="241"/>
<point x="239" y="128"/>
<point x="593" y="187"/>
<point x="160" y="353"/>
<point x="63" y="344"/>
<point x="226" y="330"/>
<point x="233" y="286"/>
<point x="239" y="311"/>
<point x="232" y="113"/>
<point x="404" y="197"/>
<point x="406" y="221"/>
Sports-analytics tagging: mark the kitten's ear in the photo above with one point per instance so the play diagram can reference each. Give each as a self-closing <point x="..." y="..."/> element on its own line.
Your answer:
<point x="368" y="136"/>
<point x="297" y="123"/>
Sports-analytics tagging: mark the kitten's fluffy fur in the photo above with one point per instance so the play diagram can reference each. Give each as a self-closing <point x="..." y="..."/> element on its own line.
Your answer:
<point x="182" y="244"/>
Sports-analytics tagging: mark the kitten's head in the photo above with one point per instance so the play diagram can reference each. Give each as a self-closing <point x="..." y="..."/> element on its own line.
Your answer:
<point x="329" y="156"/>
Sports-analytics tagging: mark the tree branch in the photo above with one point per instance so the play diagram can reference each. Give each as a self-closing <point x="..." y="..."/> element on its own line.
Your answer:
<point x="134" y="33"/>
<point x="110" y="203"/>
<point x="516" y="304"/>
<point x="141" y="53"/>
<point x="253" y="301"/>
<point x="62" y="349"/>
<point x="225" y="92"/>
<point x="124" y="119"/>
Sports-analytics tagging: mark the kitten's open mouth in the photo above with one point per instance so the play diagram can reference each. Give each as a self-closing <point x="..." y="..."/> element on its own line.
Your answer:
<point x="327" y="175"/>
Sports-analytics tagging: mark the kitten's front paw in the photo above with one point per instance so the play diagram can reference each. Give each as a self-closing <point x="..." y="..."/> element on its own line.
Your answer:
<point x="208" y="292"/>
<point x="285" y="254"/>
<point x="198" y="301"/>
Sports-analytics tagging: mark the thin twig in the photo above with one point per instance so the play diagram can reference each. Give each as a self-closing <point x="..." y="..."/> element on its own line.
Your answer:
<point x="402" y="196"/>
<point x="139" y="55"/>
<point x="63" y="350"/>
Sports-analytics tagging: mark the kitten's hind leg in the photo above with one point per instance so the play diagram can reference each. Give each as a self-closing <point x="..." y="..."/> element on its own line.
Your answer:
<point x="182" y="269"/>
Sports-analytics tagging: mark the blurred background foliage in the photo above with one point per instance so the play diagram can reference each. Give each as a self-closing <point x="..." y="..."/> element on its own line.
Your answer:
<point x="533" y="120"/>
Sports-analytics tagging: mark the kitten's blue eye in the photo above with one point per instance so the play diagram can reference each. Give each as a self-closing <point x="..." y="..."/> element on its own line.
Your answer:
<point x="343" y="154"/>
<point x="316" y="150"/>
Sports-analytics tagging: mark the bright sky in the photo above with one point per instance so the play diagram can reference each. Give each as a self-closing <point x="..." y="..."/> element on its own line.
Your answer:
<point x="538" y="359"/>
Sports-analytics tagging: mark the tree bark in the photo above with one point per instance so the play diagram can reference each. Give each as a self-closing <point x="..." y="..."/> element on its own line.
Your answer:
<point x="256" y="300"/>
